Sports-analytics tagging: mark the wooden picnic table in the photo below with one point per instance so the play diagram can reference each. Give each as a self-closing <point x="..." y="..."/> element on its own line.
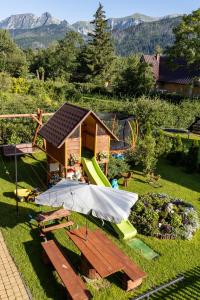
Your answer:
<point x="52" y="215"/>
<point x="101" y="258"/>
<point x="55" y="215"/>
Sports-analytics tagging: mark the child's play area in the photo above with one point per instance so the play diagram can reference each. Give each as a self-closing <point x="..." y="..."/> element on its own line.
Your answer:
<point x="73" y="233"/>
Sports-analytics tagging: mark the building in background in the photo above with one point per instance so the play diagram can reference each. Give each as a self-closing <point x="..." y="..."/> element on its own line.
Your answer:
<point x="177" y="77"/>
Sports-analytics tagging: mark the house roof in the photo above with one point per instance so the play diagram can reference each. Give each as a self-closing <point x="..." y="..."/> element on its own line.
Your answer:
<point x="154" y="62"/>
<point x="178" y="72"/>
<point x="65" y="121"/>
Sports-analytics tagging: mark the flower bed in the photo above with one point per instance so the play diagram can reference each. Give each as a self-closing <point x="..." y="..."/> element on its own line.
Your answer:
<point x="163" y="216"/>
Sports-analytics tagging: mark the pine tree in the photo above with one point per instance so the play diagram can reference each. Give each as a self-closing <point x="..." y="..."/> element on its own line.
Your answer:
<point x="99" y="56"/>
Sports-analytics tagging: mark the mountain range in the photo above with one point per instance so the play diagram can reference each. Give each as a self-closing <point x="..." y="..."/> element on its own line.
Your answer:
<point x="131" y="34"/>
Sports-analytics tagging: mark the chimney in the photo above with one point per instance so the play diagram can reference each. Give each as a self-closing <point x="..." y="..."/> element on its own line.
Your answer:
<point x="158" y="57"/>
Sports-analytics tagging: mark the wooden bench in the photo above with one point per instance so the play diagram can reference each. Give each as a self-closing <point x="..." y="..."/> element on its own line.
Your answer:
<point x="57" y="226"/>
<point x="75" y="286"/>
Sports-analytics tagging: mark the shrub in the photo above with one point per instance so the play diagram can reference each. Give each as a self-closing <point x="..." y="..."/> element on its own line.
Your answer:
<point x="20" y="86"/>
<point x="160" y="215"/>
<point x="177" y="154"/>
<point x="131" y="157"/>
<point x="116" y="167"/>
<point x="145" y="153"/>
<point x="192" y="157"/>
<point x="36" y="87"/>
<point x="163" y="144"/>
<point x="5" y="82"/>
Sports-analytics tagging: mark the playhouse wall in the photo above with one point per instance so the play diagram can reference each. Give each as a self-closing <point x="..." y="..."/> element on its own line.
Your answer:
<point x="89" y="142"/>
<point x="59" y="154"/>
<point x="102" y="141"/>
<point x="89" y="133"/>
<point x="73" y="146"/>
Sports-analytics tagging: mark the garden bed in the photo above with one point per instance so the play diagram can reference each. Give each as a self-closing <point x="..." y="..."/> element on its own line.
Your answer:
<point x="160" y="215"/>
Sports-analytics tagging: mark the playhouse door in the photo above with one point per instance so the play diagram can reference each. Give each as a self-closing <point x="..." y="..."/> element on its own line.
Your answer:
<point x="88" y="138"/>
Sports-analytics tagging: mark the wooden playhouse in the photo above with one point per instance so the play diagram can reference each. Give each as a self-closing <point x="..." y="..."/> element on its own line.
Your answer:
<point x="71" y="133"/>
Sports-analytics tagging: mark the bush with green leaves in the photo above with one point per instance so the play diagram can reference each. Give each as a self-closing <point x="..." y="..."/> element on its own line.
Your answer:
<point x="177" y="154"/>
<point x="116" y="167"/>
<point x="5" y="82"/>
<point x="145" y="153"/>
<point x="135" y="77"/>
<point x="148" y="149"/>
<point x="163" y="144"/>
<point x="161" y="215"/>
<point x="20" y="86"/>
<point x="192" y="158"/>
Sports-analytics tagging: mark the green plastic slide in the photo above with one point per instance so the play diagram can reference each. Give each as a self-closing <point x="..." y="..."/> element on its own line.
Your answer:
<point x="142" y="248"/>
<point x="94" y="172"/>
<point x="125" y="230"/>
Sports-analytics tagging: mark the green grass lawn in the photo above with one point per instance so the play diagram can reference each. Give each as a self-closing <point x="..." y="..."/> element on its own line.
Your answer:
<point x="176" y="257"/>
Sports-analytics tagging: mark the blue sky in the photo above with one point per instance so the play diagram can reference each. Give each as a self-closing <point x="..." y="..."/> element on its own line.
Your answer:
<point x="75" y="10"/>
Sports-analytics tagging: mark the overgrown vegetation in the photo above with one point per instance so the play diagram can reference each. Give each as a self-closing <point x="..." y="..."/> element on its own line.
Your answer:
<point x="116" y="167"/>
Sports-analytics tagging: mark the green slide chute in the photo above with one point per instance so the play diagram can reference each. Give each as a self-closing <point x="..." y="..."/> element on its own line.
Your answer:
<point x="94" y="172"/>
<point x="125" y="229"/>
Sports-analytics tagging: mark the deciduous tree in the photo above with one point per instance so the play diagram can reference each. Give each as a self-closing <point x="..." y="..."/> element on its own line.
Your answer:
<point x="187" y="39"/>
<point x="136" y="78"/>
<point x="12" y="59"/>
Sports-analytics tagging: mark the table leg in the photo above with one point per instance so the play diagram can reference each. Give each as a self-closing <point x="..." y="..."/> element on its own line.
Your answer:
<point x="128" y="284"/>
<point x="87" y="269"/>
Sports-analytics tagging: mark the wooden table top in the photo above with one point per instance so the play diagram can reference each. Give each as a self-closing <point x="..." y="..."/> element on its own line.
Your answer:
<point x="52" y="215"/>
<point x="99" y="254"/>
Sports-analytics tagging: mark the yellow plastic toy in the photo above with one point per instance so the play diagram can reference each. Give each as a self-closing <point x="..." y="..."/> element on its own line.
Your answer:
<point x="26" y="194"/>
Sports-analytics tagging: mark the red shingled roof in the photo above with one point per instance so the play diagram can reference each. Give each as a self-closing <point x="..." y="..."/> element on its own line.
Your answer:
<point x="65" y="121"/>
<point x="179" y="72"/>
